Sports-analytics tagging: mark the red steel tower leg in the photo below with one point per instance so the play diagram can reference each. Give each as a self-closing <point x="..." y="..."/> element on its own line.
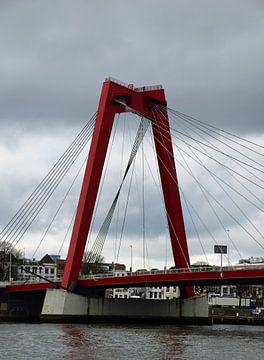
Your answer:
<point x="169" y="181"/>
<point x="118" y="98"/>
<point x="91" y="181"/>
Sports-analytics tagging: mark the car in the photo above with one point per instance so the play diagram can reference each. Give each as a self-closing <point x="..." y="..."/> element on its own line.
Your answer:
<point x="154" y="271"/>
<point x="141" y="271"/>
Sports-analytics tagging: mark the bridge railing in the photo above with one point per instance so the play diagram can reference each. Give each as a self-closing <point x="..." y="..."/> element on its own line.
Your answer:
<point x="131" y="86"/>
<point x="142" y="273"/>
<point x="175" y="271"/>
<point x="31" y="281"/>
<point x="119" y="82"/>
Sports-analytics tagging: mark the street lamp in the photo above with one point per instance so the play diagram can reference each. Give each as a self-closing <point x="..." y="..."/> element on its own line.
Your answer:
<point x="131" y="257"/>
<point x="228" y="253"/>
<point x="10" y="266"/>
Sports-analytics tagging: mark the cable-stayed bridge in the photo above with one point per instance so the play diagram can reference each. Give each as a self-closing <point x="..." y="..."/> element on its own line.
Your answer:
<point x="176" y="139"/>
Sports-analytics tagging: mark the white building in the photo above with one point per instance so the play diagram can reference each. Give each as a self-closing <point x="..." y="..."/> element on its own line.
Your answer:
<point x="121" y="293"/>
<point x="162" y="292"/>
<point x="150" y="293"/>
<point x="45" y="267"/>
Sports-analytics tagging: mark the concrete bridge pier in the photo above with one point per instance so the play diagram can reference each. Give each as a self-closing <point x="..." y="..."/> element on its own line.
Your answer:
<point x="63" y="306"/>
<point x="60" y="303"/>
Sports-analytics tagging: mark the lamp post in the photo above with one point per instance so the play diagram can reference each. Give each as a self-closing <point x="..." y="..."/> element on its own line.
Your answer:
<point x="10" y="266"/>
<point x="131" y="257"/>
<point x="228" y="251"/>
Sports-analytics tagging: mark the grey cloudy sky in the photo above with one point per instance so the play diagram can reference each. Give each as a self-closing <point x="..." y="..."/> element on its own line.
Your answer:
<point x="54" y="56"/>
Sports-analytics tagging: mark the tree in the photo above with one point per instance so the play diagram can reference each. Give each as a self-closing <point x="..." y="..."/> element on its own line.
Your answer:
<point x="92" y="263"/>
<point x="90" y="257"/>
<point x="5" y="253"/>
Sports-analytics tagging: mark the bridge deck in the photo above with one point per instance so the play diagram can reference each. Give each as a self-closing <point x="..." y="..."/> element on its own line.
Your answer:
<point x="177" y="278"/>
<point x="255" y="276"/>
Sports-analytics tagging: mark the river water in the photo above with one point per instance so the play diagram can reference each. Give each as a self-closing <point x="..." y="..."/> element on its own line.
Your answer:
<point x="97" y="341"/>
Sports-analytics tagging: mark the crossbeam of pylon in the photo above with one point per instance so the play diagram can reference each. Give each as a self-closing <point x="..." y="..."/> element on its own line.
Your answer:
<point x="116" y="98"/>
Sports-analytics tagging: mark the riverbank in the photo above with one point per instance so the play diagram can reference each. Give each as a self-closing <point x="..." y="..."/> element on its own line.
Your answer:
<point x="236" y="315"/>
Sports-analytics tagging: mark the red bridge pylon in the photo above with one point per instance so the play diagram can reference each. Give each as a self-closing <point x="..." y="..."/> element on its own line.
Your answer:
<point x="119" y="98"/>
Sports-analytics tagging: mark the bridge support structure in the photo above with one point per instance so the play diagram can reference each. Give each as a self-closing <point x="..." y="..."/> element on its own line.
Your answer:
<point x="62" y="306"/>
<point x="119" y="98"/>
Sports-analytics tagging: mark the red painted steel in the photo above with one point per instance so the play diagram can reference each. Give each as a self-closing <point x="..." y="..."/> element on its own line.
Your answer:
<point x="252" y="276"/>
<point x="192" y="278"/>
<point x="168" y="175"/>
<point x="26" y="287"/>
<point x="139" y="100"/>
<point x="98" y="148"/>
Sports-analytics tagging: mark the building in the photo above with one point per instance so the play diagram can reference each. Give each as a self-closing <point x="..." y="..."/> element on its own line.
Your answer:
<point x="162" y="292"/>
<point x="252" y="260"/>
<point x="45" y="267"/>
<point x="120" y="293"/>
<point x="60" y="265"/>
<point x="103" y="268"/>
<point x="152" y="292"/>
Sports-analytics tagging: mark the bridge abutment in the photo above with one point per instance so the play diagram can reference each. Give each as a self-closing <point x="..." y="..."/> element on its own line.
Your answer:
<point x="59" y="302"/>
<point x="62" y="306"/>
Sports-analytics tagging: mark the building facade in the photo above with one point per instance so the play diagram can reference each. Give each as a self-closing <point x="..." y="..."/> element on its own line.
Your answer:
<point x="46" y="267"/>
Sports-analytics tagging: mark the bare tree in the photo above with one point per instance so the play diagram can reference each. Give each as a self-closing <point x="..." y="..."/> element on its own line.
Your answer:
<point x="91" y="263"/>
<point x="8" y="257"/>
<point x="90" y="257"/>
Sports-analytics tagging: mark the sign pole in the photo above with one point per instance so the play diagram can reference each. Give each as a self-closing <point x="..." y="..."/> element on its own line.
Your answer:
<point x="220" y="249"/>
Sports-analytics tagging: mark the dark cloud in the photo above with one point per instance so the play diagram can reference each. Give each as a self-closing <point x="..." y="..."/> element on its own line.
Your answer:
<point x="208" y="55"/>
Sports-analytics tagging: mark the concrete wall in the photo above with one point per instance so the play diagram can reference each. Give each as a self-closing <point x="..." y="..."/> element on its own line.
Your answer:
<point x="60" y="302"/>
<point x="195" y="307"/>
<point x="190" y="308"/>
<point x="62" y="305"/>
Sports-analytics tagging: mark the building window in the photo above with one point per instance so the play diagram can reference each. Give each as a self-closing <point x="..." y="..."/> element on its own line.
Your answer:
<point x="46" y="270"/>
<point x="225" y="290"/>
<point x="40" y="270"/>
<point x="52" y="270"/>
<point x="34" y="269"/>
<point x="232" y="291"/>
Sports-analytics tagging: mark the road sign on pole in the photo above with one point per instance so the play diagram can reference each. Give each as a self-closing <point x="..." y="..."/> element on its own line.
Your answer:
<point x="220" y="249"/>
